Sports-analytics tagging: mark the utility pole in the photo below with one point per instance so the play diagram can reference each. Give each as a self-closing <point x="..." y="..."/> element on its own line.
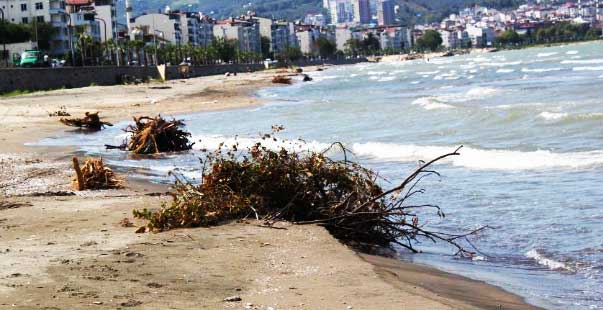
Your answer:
<point x="105" y="24"/>
<point x="129" y="17"/>
<point x="4" y="42"/>
<point x="70" y="40"/>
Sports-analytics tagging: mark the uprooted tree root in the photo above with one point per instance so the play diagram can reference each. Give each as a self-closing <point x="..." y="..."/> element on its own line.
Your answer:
<point x="94" y="175"/>
<point x="280" y="79"/>
<point x="91" y="121"/>
<point x="304" y="188"/>
<point x="152" y="135"/>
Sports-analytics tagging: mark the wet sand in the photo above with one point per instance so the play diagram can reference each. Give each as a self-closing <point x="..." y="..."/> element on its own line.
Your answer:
<point x="66" y="250"/>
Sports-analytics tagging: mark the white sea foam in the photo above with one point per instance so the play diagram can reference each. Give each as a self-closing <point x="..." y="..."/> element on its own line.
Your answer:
<point x="505" y="70"/>
<point x="431" y="103"/>
<point x="501" y="64"/>
<point x="541" y="70"/>
<point x="376" y="73"/>
<point x="428" y="72"/>
<point x="386" y="79"/>
<point x="546" y="54"/>
<point x="552" y="116"/>
<point x="481" y="159"/>
<point x="213" y="142"/>
<point x="442" y="101"/>
<point x="318" y="78"/>
<point x="588" y="68"/>
<point x="547" y="262"/>
<point x="583" y="61"/>
<point x="481" y="92"/>
<point x="572" y="52"/>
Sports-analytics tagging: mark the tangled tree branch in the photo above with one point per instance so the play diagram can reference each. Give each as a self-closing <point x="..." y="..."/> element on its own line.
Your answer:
<point x="304" y="188"/>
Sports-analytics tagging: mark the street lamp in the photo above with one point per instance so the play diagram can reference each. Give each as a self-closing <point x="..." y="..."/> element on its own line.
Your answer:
<point x="155" y="32"/>
<point x="105" y="24"/>
<point x="70" y="40"/>
<point x="4" y="42"/>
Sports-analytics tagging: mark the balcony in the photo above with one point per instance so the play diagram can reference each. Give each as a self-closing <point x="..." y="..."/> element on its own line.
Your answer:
<point x="55" y="11"/>
<point x="58" y="24"/>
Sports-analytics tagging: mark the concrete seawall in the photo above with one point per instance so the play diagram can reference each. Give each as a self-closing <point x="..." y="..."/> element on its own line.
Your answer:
<point x="73" y="77"/>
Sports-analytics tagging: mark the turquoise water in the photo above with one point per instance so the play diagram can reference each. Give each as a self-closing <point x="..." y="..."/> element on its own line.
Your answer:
<point x="531" y="123"/>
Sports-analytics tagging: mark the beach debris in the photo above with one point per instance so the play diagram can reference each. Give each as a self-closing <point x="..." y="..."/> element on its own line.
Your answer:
<point x="62" y="111"/>
<point x="125" y="222"/>
<point x="307" y="78"/>
<point x="232" y="299"/>
<point x="275" y="183"/>
<point x="94" y="175"/>
<point x="91" y="121"/>
<point x="152" y="135"/>
<point x="281" y="79"/>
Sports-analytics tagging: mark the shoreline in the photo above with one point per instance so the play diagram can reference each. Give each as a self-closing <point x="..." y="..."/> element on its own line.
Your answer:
<point x="85" y="245"/>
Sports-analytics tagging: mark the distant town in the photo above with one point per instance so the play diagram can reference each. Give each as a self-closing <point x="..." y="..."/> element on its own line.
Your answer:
<point x="88" y="31"/>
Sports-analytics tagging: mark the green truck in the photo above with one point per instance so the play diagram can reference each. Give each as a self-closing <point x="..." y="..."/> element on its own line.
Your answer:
<point x="29" y="59"/>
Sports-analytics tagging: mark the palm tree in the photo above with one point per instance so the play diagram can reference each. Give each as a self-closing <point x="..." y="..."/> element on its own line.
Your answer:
<point x="82" y="42"/>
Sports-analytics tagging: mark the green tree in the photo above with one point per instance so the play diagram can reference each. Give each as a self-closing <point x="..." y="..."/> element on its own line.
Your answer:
<point x="226" y="50"/>
<point x="265" y="44"/>
<point x="353" y="47"/>
<point x="431" y="40"/>
<point x="326" y="48"/>
<point x="508" y="37"/>
<point x="371" y="43"/>
<point x="292" y="53"/>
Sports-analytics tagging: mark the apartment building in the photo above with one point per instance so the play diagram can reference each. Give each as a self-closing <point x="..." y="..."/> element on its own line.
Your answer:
<point x="245" y="31"/>
<point x="38" y="11"/>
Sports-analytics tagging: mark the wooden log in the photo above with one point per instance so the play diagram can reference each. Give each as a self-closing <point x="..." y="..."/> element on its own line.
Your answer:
<point x="78" y="173"/>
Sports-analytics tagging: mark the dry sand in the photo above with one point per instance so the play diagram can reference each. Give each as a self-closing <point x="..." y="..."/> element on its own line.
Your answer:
<point x="65" y="250"/>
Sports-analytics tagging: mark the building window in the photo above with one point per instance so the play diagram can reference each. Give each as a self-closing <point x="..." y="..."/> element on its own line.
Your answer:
<point x="40" y="19"/>
<point x="39" y="6"/>
<point x="24" y="20"/>
<point x="23" y="7"/>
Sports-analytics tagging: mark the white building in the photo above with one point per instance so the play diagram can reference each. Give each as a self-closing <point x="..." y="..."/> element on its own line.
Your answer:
<point x="33" y="11"/>
<point x="245" y="32"/>
<point x="166" y="26"/>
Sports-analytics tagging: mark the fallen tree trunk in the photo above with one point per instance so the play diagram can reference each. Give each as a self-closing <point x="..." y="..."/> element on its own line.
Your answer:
<point x="91" y="121"/>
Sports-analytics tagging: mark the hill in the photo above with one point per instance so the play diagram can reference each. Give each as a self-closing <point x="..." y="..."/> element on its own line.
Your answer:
<point x="411" y="11"/>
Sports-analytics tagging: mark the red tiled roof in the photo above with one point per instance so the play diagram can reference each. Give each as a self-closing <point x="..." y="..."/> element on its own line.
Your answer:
<point x="78" y="2"/>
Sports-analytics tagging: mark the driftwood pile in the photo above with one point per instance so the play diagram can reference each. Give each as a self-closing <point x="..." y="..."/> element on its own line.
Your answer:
<point x="152" y="135"/>
<point x="305" y="188"/>
<point x="94" y="175"/>
<point x="281" y="79"/>
<point x="91" y="121"/>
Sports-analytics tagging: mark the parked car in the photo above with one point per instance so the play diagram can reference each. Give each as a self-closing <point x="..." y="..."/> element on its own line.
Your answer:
<point x="32" y="58"/>
<point x="56" y="63"/>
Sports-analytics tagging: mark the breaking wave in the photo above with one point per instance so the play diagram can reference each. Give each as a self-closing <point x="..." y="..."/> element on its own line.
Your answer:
<point x="552" y="116"/>
<point x="479" y="158"/>
<point x="541" y="70"/>
<point x="431" y="103"/>
<point x="584" y="61"/>
<point x="588" y="68"/>
<point x="546" y="54"/>
<point x="547" y="262"/>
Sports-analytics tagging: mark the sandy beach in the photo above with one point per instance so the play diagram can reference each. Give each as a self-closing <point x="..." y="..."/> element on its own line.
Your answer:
<point x="61" y="249"/>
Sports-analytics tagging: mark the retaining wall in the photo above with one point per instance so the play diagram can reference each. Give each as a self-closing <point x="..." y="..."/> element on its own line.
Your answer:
<point x="54" y="78"/>
<point x="69" y="77"/>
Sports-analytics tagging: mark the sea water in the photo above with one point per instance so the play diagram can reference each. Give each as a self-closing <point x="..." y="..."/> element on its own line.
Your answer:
<point x="530" y="121"/>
